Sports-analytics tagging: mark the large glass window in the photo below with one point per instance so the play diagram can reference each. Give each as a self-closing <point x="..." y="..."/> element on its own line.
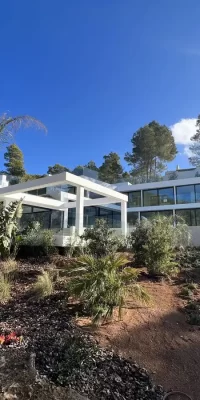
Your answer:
<point x="134" y="199"/>
<point x="155" y="197"/>
<point x="197" y="216"/>
<point x="197" y="192"/>
<point x="56" y="219"/>
<point x="132" y="218"/>
<point x="189" y="216"/>
<point x="150" y="197"/>
<point x="47" y="218"/>
<point x="185" y="194"/>
<point x="166" y="196"/>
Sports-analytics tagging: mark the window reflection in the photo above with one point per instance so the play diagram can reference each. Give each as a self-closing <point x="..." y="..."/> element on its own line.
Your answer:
<point x="150" y="197"/>
<point x="185" y="194"/>
<point x="134" y="199"/>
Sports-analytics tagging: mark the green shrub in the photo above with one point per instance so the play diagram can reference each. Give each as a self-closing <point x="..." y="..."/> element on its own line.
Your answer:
<point x="194" y="318"/>
<point x="103" y="283"/>
<point x="186" y="293"/>
<point x="159" y="247"/>
<point x="38" y="238"/>
<point x="192" y="286"/>
<point x="5" y="287"/>
<point x="100" y="240"/>
<point x="138" y="239"/>
<point x="44" y="285"/>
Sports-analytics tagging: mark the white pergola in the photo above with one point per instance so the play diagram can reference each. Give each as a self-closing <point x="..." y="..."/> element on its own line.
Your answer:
<point x="78" y="201"/>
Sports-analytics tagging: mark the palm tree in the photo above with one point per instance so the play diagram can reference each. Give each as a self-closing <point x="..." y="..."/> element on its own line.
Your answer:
<point x="9" y="125"/>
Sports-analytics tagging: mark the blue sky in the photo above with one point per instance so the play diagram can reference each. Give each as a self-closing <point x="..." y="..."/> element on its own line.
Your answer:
<point x="95" y="71"/>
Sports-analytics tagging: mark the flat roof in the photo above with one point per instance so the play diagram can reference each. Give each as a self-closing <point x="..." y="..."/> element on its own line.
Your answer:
<point x="18" y="191"/>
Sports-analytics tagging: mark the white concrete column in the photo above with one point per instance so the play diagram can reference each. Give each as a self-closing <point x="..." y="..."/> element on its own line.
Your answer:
<point x="124" y="217"/>
<point x="79" y="210"/>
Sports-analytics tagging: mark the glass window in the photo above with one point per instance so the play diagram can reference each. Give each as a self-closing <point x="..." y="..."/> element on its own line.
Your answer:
<point x="43" y="218"/>
<point x="39" y="209"/>
<point x="89" y="216"/>
<point x="185" y="194"/>
<point x="26" y="209"/>
<point x="132" y="218"/>
<point x="42" y="191"/>
<point x="197" y="192"/>
<point x="71" y="216"/>
<point x="198" y="216"/>
<point x="116" y="219"/>
<point x="188" y="216"/>
<point x="56" y="219"/>
<point x="166" y="196"/>
<point x="134" y="199"/>
<point x="150" y="197"/>
<point x="34" y="192"/>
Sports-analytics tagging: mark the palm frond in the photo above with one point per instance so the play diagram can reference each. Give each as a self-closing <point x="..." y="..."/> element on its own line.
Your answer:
<point x="9" y="125"/>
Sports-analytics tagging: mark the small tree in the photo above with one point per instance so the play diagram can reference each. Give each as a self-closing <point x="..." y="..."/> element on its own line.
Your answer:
<point x="138" y="239"/>
<point x="159" y="252"/>
<point x="14" y="161"/>
<point x="9" y="217"/>
<point x="100" y="239"/>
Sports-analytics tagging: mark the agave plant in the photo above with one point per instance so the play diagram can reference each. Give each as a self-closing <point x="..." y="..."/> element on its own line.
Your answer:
<point x="103" y="284"/>
<point x="8" y="227"/>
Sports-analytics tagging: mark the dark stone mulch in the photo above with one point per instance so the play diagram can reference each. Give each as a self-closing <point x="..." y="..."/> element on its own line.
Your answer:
<point x="69" y="357"/>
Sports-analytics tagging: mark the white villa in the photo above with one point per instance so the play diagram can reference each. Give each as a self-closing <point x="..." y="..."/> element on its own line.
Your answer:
<point x="68" y="203"/>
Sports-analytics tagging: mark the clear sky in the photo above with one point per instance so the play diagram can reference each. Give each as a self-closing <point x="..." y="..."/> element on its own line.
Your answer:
<point x="94" y="71"/>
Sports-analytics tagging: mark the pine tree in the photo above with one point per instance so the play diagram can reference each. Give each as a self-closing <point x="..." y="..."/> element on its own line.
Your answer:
<point x="56" y="169"/>
<point x="195" y="147"/>
<point x="91" y="165"/>
<point x="14" y="161"/>
<point x="152" y="146"/>
<point x="111" y="170"/>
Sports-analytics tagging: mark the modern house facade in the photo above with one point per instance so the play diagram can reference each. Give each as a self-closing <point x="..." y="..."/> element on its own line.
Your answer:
<point x="68" y="203"/>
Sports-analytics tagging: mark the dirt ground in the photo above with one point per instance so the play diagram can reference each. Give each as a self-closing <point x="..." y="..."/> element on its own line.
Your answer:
<point x="158" y="338"/>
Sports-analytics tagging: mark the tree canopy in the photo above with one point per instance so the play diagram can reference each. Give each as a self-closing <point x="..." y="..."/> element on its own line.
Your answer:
<point x="152" y="146"/>
<point x="56" y="169"/>
<point x="111" y="170"/>
<point x="91" y="165"/>
<point x="195" y="147"/>
<point x="14" y="161"/>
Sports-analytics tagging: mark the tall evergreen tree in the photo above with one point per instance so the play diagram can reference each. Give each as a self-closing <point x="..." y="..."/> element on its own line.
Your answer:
<point x="195" y="147"/>
<point x="111" y="170"/>
<point x="152" y="146"/>
<point x="57" y="169"/>
<point x="14" y="161"/>
<point x="91" y="165"/>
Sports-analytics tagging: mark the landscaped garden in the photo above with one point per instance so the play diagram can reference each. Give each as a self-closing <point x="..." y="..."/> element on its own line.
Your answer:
<point x="103" y="319"/>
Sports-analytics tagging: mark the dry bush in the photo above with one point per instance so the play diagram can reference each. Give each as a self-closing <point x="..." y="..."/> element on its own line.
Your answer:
<point x="44" y="285"/>
<point x="8" y="266"/>
<point x="5" y="287"/>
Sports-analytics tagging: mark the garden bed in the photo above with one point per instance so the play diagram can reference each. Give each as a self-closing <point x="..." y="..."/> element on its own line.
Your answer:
<point x="109" y="358"/>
